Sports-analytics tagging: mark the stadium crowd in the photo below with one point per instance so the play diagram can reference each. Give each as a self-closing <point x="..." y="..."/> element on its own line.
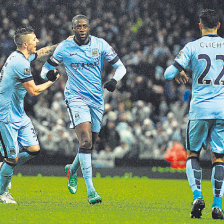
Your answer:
<point x="146" y="113"/>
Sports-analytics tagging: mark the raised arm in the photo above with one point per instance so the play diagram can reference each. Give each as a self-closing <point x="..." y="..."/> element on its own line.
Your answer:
<point x="44" y="53"/>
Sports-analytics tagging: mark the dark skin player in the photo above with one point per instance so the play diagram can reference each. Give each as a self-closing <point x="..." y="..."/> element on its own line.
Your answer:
<point x="86" y="137"/>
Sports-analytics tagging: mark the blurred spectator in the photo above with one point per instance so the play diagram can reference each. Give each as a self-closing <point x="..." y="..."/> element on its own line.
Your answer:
<point x="121" y="150"/>
<point x="109" y="135"/>
<point x="176" y="155"/>
<point x="105" y="158"/>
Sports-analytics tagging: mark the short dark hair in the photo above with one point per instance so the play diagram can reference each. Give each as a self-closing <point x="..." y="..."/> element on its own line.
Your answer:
<point x="78" y="17"/>
<point x="209" y="18"/>
<point x="20" y="32"/>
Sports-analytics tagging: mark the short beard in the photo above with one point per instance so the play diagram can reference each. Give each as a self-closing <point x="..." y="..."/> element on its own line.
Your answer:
<point x="81" y="41"/>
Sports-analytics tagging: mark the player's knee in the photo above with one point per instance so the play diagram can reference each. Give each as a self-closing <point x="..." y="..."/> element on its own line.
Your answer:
<point x="33" y="148"/>
<point x="217" y="157"/>
<point x="12" y="162"/>
<point x="87" y="143"/>
<point x="192" y="154"/>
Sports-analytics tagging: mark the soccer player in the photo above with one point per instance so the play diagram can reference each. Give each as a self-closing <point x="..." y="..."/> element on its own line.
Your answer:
<point x="205" y="57"/>
<point x="18" y="138"/>
<point x="83" y="58"/>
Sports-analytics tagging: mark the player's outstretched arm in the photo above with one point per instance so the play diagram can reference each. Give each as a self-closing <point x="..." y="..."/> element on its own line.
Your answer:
<point x="35" y="90"/>
<point x="118" y="75"/>
<point x="44" y="53"/>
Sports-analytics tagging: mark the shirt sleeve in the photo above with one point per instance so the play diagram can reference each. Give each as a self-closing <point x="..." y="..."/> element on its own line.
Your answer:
<point x="58" y="54"/>
<point x="23" y="71"/>
<point x="109" y="53"/>
<point x="183" y="59"/>
<point x="171" y="72"/>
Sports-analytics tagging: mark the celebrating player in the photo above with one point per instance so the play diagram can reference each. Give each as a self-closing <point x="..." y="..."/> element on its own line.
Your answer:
<point x="205" y="57"/>
<point x="18" y="138"/>
<point x="83" y="58"/>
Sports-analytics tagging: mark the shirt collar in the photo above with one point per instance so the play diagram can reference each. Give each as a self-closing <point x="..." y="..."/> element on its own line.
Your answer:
<point x="88" y="44"/>
<point x="211" y="35"/>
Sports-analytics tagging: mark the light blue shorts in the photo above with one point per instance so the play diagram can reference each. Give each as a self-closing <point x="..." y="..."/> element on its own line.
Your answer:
<point x="204" y="132"/>
<point x="79" y="112"/>
<point x="14" y="136"/>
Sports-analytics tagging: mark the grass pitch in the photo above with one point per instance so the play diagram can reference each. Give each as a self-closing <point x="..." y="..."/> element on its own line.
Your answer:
<point x="125" y="200"/>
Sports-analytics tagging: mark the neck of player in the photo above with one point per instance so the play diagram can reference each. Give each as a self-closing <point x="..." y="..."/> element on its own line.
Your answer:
<point x="24" y="52"/>
<point x="79" y="42"/>
<point x="209" y="31"/>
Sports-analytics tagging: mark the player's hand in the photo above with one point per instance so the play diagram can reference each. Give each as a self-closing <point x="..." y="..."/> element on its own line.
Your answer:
<point x="110" y="85"/>
<point x="182" y="78"/>
<point x="53" y="75"/>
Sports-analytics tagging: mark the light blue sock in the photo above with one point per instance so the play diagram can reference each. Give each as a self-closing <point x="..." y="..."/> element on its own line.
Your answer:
<point x="217" y="183"/>
<point x="194" y="176"/>
<point x="24" y="157"/>
<point x="75" y="164"/>
<point x="86" y="167"/>
<point x="6" y="173"/>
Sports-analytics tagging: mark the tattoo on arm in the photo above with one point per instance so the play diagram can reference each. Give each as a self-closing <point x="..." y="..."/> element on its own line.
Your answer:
<point x="44" y="53"/>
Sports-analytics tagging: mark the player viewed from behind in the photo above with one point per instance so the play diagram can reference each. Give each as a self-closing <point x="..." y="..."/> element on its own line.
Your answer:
<point x="205" y="57"/>
<point x="18" y="138"/>
<point x="83" y="58"/>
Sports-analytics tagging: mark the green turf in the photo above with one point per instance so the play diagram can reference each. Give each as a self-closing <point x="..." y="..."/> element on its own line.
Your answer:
<point x="125" y="200"/>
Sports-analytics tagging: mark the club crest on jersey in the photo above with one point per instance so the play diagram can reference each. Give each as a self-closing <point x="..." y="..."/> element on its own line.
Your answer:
<point x="179" y="55"/>
<point x="77" y="116"/>
<point x="95" y="53"/>
<point x="26" y="71"/>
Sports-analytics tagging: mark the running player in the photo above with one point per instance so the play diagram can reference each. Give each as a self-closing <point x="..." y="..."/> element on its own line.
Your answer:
<point x="18" y="139"/>
<point x="205" y="57"/>
<point x="83" y="58"/>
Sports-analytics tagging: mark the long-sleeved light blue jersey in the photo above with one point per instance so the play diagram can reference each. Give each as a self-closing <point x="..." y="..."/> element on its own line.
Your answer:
<point x="84" y="64"/>
<point x="15" y="71"/>
<point x="205" y="57"/>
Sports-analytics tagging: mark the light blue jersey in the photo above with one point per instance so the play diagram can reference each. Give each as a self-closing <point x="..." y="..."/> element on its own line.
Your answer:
<point x="15" y="71"/>
<point x="16" y="128"/>
<point x="84" y="66"/>
<point x="205" y="57"/>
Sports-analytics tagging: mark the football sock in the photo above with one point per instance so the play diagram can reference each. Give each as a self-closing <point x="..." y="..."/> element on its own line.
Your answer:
<point x="194" y="176"/>
<point x="217" y="183"/>
<point x="26" y="156"/>
<point x="6" y="173"/>
<point x="75" y="165"/>
<point x="86" y="167"/>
